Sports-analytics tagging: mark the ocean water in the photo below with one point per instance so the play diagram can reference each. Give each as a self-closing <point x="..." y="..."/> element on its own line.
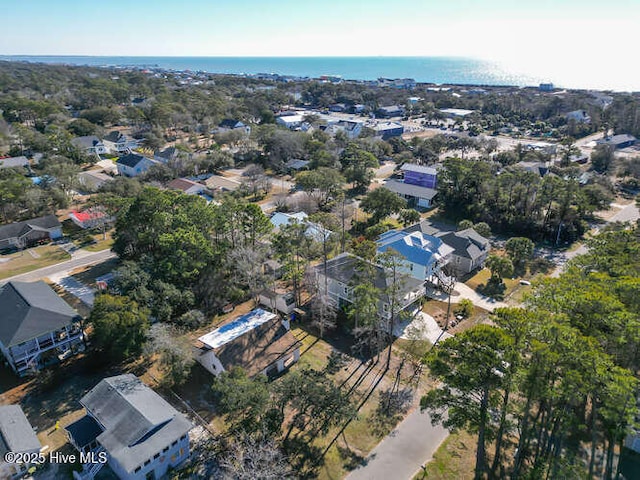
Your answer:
<point x="439" y="70"/>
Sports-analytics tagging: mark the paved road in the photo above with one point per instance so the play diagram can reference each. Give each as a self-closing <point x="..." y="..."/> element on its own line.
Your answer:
<point x="628" y="213"/>
<point x="80" y="258"/>
<point x="404" y="451"/>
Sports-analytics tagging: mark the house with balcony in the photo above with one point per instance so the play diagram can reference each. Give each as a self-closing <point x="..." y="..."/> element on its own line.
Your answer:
<point x="258" y="342"/>
<point x="16" y="436"/>
<point x="422" y="255"/>
<point x="141" y="434"/>
<point x="37" y="327"/>
<point x="343" y="275"/>
<point x="120" y="143"/>
<point x="89" y="144"/>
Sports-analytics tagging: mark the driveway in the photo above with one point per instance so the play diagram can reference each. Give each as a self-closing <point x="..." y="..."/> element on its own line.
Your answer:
<point x="84" y="293"/>
<point x="422" y="327"/>
<point x="404" y="451"/>
<point x="461" y="291"/>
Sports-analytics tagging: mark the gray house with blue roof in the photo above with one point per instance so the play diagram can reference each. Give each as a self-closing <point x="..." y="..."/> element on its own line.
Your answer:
<point x="423" y="256"/>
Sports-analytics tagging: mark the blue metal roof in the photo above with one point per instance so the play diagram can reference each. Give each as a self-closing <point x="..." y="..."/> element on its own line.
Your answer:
<point x="415" y="247"/>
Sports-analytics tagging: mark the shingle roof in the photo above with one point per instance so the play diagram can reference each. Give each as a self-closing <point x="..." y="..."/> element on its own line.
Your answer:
<point x="18" y="229"/>
<point x="84" y="431"/>
<point x="230" y="123"/>
<point x="88" y="141"/>
<point x="617" y="139"/>
<point x="183" y="184"/>
<point x="14" y="162"/>
<point x="30" y="310"/>
<point x="115" y="137"/>
<point x="218" y="181"/>
<point x="466" y="243"/>
<point x="410" y="190"/>
<point x="130" y="160"/>
<point x="343" y="268"/>
<point x="16" y="433"/>
<point x="138" y="422"/>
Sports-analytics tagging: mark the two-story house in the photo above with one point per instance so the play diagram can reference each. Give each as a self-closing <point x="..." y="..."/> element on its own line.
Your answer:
<point x="37" y="327"/>
<point x="418" y="186"/>
<point x="258" y="342"/>
<point x="132" y="164"/>
<point x="342" y="276"/>
<point x="120" y="143"/>
<point x="89" y="144"/>
<point x="422" y="256"/>
<point x="142" y="435"/>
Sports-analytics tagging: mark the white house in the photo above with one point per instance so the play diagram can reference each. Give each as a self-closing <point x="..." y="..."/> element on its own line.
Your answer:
<point x="90" y="144"/>
<point x="140" y="434"/>
<point x="257" y="342"/>
<point x="279" y="300"/>
<point x="132" y="165"/>
<point x="579" y="116"/>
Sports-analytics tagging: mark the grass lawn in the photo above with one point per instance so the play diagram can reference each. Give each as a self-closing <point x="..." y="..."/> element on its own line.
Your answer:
<point x="101" y="243"/>
<point x="455" y="458"/>
<point x="23" y="262"/>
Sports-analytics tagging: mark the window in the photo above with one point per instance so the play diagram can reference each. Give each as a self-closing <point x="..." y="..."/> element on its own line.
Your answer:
<point x="174" y="443"/>
<point x="166" y="449"/>
<point x="137" y="470"/>
<point x="156" y="456"/>
<point x="147" y="462"/>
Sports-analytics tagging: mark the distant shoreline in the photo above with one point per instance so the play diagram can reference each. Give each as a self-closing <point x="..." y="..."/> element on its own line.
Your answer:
<point x="460" y="71"/>
<point x="434" y="70"/>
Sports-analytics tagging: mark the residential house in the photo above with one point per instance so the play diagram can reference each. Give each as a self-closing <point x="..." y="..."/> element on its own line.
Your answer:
<point x="358" y="108"/>
<point x="455" y="112"/>
<point x="278" y="300"/>
<point x="16" y="436"/>
<point x="338" y="107"/>
<point x="92" y="180"/>
<point x="219" y="184"/>
<point x="390" y="111"/>
<point x="90" y="218"/>
<point x="414" y="194"/>
<point x="546" y="87"/>
<point x="470" y="250"/>
<point x="351" y="128"/>
<point x="231" y="124"/>
<point x="578" y="116"/>
<point x="539" y="168"/>
<point x="423" y="256"/>
<point x="418" y="186"/>
<point x="406" y="83"/>
<point x="132" y="164"/>
<point x="420" y="175"/>
<point x="291" y="122"/>
<point x="187" y="186"/>
<point x="167" y="155"/>
<point x="14" y="162"/>
<point x="342" y="277"/>
<point x="618" y="141"/>
<point x="313" y="230"/>
<point x="37" y="327"/>
<point x="29" y="232"/>
<point x="90" y="144"/>
<point x="386" y="130"/>
<point x="142" y="435"/>
<point x="293" y="166"/>
<point x="257" y="342"/>
<point x="120" y="143"/>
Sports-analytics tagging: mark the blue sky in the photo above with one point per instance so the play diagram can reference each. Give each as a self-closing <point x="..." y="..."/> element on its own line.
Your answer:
<point x="541" y="30"/>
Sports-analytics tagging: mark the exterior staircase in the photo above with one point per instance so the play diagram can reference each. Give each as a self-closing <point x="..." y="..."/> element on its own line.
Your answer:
<point x="90" y="470"/>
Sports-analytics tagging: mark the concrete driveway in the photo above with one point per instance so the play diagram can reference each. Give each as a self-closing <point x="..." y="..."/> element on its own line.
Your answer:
<point x="423" y="327"/>
<point x="461" y="291"/>
<point x="404" y="451"/>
